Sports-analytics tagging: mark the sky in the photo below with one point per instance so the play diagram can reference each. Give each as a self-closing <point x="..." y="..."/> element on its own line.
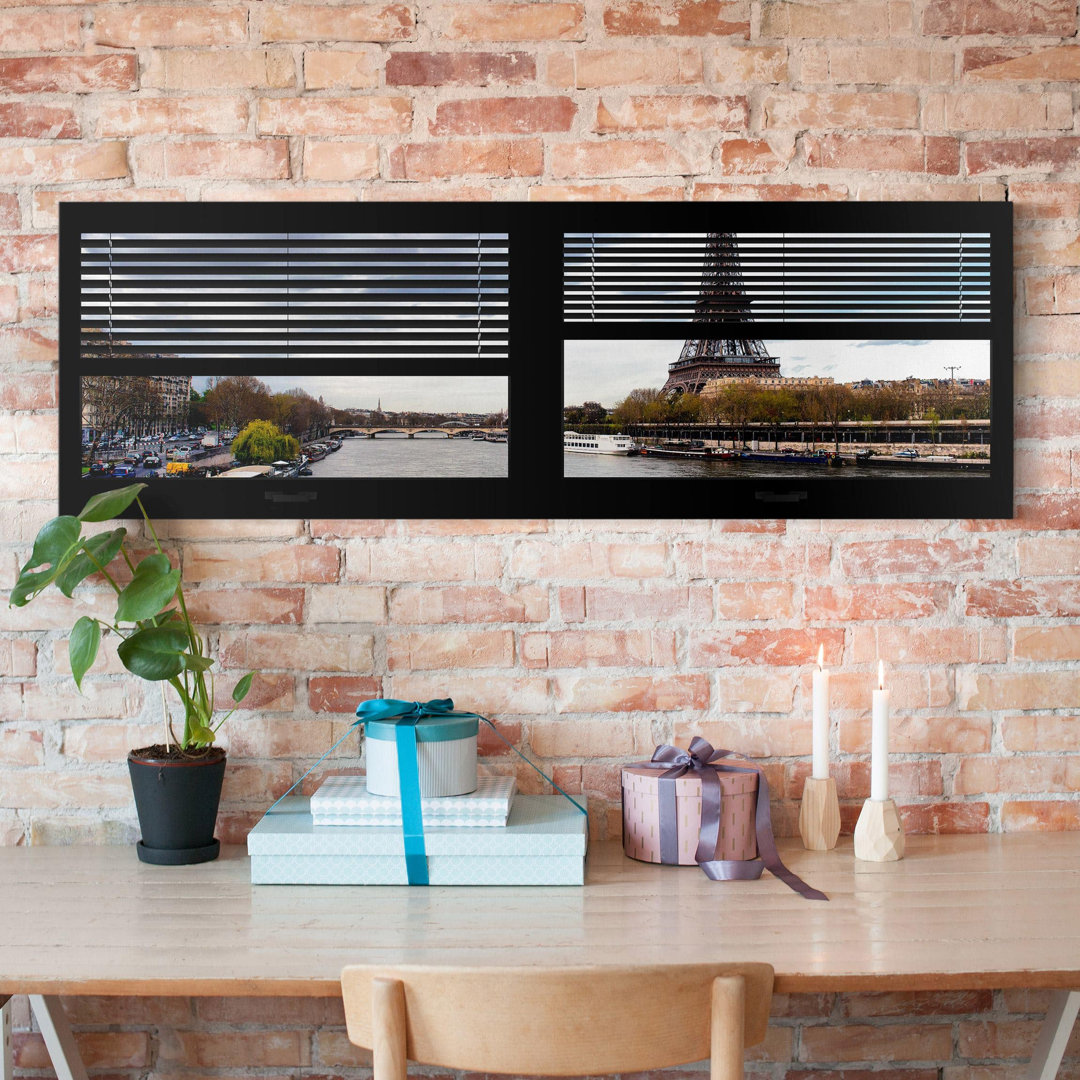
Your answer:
<point x="448" y="393"/>
<point x="606" y="371"/>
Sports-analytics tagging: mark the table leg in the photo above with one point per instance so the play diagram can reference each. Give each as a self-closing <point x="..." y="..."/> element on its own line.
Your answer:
<point x="7" y="1061"/>
<point x="59" y="1040"/>
<point x="1056" y="1029"/>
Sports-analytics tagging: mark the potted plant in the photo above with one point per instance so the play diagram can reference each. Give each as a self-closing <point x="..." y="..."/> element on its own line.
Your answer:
<point x="177" y="783"/>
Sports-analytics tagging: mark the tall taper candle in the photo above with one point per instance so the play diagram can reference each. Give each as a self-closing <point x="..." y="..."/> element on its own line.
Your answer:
<point x="879" y="740"/>
<point x="820" y="769"/>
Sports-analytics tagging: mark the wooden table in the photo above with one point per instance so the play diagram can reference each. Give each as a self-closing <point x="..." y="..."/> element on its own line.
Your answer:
<point x="958" y="912"/>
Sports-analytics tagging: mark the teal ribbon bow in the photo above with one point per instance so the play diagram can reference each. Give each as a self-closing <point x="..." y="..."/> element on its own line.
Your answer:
<point x="406" y="715"/>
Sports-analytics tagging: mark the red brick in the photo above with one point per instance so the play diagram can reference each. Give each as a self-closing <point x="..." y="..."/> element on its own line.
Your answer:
<point x="131" y="26"/>
<point x="22" y="747"/>
<point x="21" y="120"/>
<point x="1059" y="63"/>
<point x="490" y="695"/>
<point x="1057" y="734"/>
<point x="604" y="738"/>
<point x="26" y="345"/>
<point x="1004" y="17"/>
<point x="1008" y="599"/>
<point x="229" y="159"/>
<point x="914" y="1003"/>
<point x="459" y="68"/>
<point x="1018" y="690"/>
<point x="67" y="74"/>
<point x="263" y="649"/>
<point x="376" y="115"/>
<point x="859" y="19"/>
<point x="487" y="157"/>
<point x="59" y="163"/>
<point x="756" y="558"/>
<point x="1013" y="776"/>
<point x="780" y="647"/>
<point x="1046" y="643"/>
<point x="598" y="648"/>
<point x="440" y="191"/>
<point x="176" y="115"/>
<point x="340" y="694"/>
<point x="768" y="192"/>
<point x="18" y="657"/>
<point x="547" y="559"/>
<point x="87" y="1009"/>
<point x="1038" y="200"/>
<point x="512" y="22"/>
<point x="882" y="65"/>
<point x="854" y="110"/>
<point x="750" y="156"/>
<point x="357" y="22"/>
<point x="672" y="112"/>
<point x="945" y="817"/>
<point x="605" y="192"/>
<point x="468" y="604"/>
<point x="9" y="211"/>
<point x="200" y="69"/>
<point x="1056" y="154"/>
<point x="626" y="157"/>
<point x="649" y="603"/>
<point x="276" y="606"/>
<point x="882" y="558"/>
<point x="338" y="69"/>
<point x="858" y="602"/>
<point x="984" y="111"/>
<point x="918" y="733"/>
<point x="261" y="562"/>
<point x="298" y="1012"/>
<point x="249" y="1049"/>
<point x="1040" y="816"/>
<point x="50" y="790"/>
<point x="747" y="64"/>
<point x="664" y="65"/>
<point x="46" y="216"/>
<point x="670" y="693"/>
<point x="449" y="650"/>
<point x="39" y="29"/>
<point x="112" y="1049"/>
<point x="678" y="18"/>
<point x="474" y="526"/>
<point x="339" y="160"/>
<point x="503" y="116"/>
<point x="899" y="153"/>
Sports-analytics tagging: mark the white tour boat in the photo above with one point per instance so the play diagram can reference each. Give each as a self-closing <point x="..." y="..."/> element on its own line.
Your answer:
<point x="621" y="445"/>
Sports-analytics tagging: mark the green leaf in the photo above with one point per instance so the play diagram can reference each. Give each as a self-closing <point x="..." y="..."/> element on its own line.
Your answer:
<point x="102" y="547"/>
<point x="155" y="653"/>
<point x="170" y="616"/>
<point x="55" y="547"/>
<point x="110" y="503"/>
<point x="151" y="587"/>
<point x="241" y="689"/>
<point x="202" y="735"/>
<point x="197" y="663"/>
<point x="83" y="647"/>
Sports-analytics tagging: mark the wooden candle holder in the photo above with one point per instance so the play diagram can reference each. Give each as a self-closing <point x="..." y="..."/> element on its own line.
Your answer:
<point x="879" y="836"/>
<point x="819" y="814"/>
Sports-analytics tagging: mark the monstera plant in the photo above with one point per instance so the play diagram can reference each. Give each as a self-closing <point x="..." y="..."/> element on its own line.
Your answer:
<point x="177" y="783"/>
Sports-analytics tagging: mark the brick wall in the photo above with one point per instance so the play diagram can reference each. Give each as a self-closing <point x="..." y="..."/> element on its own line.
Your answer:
<point x="590" y="641"/>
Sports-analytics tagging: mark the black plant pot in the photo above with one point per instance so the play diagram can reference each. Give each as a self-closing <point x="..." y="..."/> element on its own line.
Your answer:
<point x="177" y="801"/>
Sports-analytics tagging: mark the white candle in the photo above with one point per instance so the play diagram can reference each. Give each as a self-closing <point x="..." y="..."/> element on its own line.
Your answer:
<point x="879" y="740"/>
<point x="821" y="719"/>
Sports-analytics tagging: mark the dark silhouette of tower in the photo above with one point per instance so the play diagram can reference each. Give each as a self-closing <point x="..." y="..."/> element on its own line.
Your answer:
<point x="722" y="300"/>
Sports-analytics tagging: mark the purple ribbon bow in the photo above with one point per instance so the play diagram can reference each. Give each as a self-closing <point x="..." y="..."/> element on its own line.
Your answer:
<point x="704" y="761"/>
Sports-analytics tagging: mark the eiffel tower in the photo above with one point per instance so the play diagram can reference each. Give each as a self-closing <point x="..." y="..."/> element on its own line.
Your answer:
<point x="722" y="300"/>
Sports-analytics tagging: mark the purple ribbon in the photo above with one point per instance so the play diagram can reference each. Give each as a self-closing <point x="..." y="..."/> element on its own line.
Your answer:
<point x="703" y="760"/>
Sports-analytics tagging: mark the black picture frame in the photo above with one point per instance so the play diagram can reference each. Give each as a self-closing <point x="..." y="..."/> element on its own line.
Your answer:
<point x="535" y="486"/>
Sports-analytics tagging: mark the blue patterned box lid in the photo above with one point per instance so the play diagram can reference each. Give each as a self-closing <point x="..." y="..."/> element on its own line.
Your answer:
<point x="539" y="825"/>
<point x="345" y="800"/>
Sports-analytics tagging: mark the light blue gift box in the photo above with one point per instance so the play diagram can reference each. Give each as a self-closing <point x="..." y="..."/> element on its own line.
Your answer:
<point x="543" y="843"/>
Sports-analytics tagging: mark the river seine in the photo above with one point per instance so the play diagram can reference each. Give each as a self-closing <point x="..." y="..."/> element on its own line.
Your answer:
<point x="424" y="456"/>
<point x="607" y="466"/>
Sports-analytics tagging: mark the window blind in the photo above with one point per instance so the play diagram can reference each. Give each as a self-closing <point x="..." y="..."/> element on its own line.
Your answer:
<point x="778" y="277"/>
<point x="304" y="296"/>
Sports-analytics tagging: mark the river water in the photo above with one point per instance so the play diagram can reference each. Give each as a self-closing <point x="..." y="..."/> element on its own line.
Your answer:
<point x="607" y="466"/>
<point x="423" y="456"/>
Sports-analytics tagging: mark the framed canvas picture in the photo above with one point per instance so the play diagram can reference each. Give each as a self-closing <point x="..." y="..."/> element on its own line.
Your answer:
<point x="506" y="360"/>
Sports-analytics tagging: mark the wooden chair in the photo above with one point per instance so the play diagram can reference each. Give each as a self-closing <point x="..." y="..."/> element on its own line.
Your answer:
<point x="568" y="1021"/>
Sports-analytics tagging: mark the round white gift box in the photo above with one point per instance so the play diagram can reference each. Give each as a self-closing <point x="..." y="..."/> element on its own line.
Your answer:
<point x="445" y="756"/>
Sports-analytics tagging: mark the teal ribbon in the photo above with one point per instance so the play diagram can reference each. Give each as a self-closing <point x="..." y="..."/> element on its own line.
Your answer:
<point x="406" y="715"/>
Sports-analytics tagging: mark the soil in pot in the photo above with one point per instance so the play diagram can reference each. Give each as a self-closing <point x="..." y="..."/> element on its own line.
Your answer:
<point x="176" y="795"/>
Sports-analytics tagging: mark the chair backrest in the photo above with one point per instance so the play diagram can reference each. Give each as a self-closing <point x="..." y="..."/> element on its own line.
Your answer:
<point x="567" y="1021"/>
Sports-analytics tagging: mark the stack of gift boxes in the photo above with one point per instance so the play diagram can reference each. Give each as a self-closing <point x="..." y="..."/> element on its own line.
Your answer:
<point x="475" y="830"/>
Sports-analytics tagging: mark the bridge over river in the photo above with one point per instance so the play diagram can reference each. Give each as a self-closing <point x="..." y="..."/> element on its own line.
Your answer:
<point x="449" y="432"/>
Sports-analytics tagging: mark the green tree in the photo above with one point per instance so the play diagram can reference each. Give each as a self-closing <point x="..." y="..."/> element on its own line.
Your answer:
<point x="933" y="418"/>
<point x="261" y="443"/>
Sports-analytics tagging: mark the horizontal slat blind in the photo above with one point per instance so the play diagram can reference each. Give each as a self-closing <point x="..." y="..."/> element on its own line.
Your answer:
<point x="219" y="296"/>
<point x="779" y="277"/>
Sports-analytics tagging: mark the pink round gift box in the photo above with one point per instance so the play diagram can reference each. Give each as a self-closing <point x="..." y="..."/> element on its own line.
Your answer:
<point x="641" y="814"/>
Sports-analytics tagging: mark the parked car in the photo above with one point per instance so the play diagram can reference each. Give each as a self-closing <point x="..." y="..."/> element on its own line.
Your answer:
<point x="99" y="468"/>
<point x="151" y="461"/>
<point x="123" y="470"/>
